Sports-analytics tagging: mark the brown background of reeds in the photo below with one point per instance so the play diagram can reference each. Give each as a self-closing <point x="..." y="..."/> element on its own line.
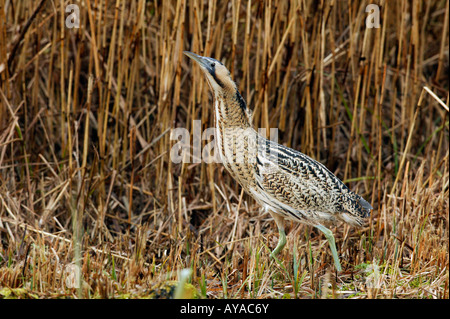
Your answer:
<point x="85" y="120"/>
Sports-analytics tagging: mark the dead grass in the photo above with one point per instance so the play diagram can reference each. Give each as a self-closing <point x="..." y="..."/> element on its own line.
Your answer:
<point x="85" y="173"/>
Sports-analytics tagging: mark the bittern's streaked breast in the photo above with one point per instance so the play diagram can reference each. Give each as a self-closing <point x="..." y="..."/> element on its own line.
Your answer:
<point x="289" y="184"/>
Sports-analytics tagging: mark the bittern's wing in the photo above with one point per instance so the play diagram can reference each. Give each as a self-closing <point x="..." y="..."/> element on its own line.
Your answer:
<point x="306" y="185"/>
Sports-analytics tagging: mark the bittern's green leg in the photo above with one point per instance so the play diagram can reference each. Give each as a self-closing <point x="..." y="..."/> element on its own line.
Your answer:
<point x="282" y="239"/>
<point x="329" y="235"/>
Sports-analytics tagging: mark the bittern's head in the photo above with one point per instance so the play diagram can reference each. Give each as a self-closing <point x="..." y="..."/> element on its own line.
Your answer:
<point x="216" y="73"/>
<point x="223" y="86"/>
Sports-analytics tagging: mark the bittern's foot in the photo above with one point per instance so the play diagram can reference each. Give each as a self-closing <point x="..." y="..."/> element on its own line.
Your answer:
<point x="281" y="243"/>
<point x="329" y="235"/>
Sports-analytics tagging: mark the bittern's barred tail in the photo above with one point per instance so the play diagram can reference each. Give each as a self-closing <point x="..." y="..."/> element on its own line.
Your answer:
<point x="289" y="184"/>
<point x="356" y="209"/>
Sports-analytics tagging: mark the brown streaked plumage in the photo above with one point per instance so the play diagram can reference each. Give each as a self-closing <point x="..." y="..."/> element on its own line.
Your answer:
<point x="287" y="183"/>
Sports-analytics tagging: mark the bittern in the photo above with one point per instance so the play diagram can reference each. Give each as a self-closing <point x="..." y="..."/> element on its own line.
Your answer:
<point x="288" y="184"/>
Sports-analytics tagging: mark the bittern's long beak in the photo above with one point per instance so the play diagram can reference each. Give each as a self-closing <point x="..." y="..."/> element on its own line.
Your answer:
<point x="203" y="62"/>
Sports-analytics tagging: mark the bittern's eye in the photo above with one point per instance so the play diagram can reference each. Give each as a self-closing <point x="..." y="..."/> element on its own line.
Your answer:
<point x="212" y="65"/>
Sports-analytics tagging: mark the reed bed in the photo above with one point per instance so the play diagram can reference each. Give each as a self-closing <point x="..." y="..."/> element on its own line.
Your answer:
<point x="87" y="182"/>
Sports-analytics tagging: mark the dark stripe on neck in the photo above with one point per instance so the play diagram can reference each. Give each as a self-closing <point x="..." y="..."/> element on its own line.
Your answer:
<point x="213" y="73"/>
<point x="241" y="100"/>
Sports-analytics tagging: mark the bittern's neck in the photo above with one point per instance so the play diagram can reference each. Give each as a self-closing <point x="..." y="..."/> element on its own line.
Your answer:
<point x="230" y="109"/>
